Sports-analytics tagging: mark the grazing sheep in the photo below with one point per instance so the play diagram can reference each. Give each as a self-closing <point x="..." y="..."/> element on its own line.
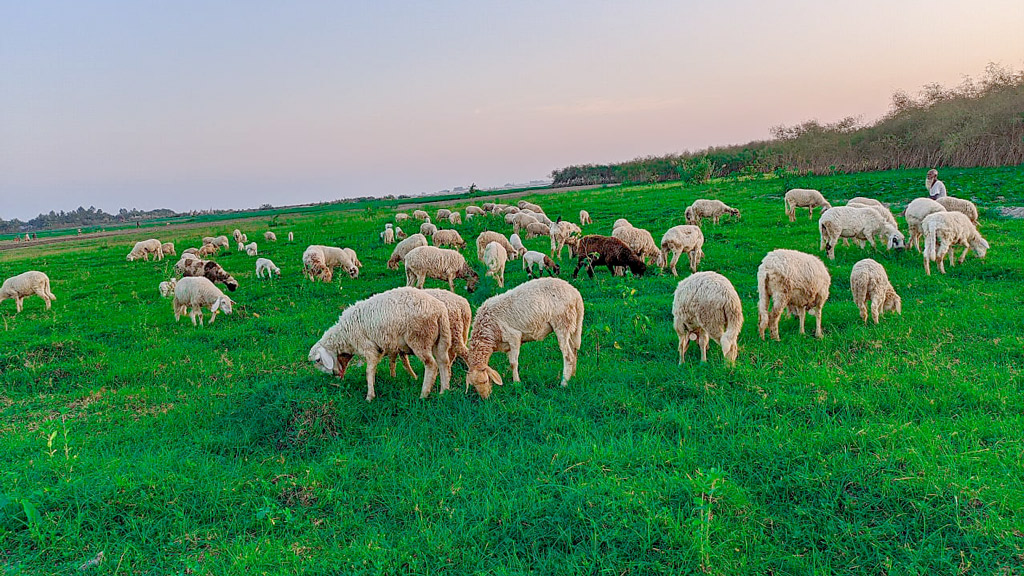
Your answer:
<point x="527" y="313"/>
<point x="144" y="248"/>
<point x="221" y="241"/>
<point x="194" y="267"/>
<point x="494" y="258"/>
<point x="804" y="198"/>
<point x="314" y="264"/>
<point x="270" y="236"/>
<point x="241" y="247"/>
<point x="792" y="281"/>
<point x="474" y="211"/>
<point x="619" y="223"/>
<point x="198" y="292"/>
<point x="706" y="306"/>
<point x="245" y="239"/>
<point x="965" y="207"/>
<point x="917" y="211"/>
<point x="449" y="238"/>
<point x="532" y="258"/>
<point x="194" y="251"/>
<point x="535" y="229"/>
<point x="455" y="219"/>
<point x="943" y="231"/>
<point x="443" y="214"/>
<point x="440" y="264"/>
<point x="521" y="220"/>
<point x="427" y="229"/>
<point x="506" y="210"/>
<point x="488" y="236"/>
<point x="291" y="236"/>
<point x="609" y="251"/>
<point x="352" y="257"/>
<point x="517" y="244"/>
<point x="860" y="223"/>
<point x="564" y="233"/>
<point x="251" y="249"/>
<point x="23" y="285"/>
<point x="585" y="218"/>
<point x="679" y="239"/>
<point x="236" y="234"/>
<point x="704" y="208"/>
<point x="333" y="257"/>
<point x="882" y="209"/>
<point x="209" y="250"/>
<point x="187" y="259"/>
<point x="403" y="248"/>
<point x="167" y="287"/>
<point x="524" y="205"/>
<point x="868" y="281"/>
<point x="401" y="217"/>
<point x="167" y="248"/>
<point x="388" y="235"/>
<point x="421" y="215"/>
<point x="640" y="241"/>
<point x="487" y="206"/>
<point x="268" y="266"/>
<point x="400" y="321"/>
<point x="540" y="217"/>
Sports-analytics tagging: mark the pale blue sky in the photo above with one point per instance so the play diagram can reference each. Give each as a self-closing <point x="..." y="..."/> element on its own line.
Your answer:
<point x="228" y="105"/>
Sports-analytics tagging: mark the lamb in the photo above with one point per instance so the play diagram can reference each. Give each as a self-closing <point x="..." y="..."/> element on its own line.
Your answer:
<point x="804" y="198"/>
<point x="443" y="213"/>
<point x="398" y="321"/>
<point x="641" y="242"/>
<point x="420" y="215"/>
<point x="23" y="285"/>
<point x="388" y="235"/>
<point x="495" y="257"/>
<point x="241" y="247"/>
<point x="532" y="258"/>
<point x="517" y="245"/>
<point x="882" y="209"/>
<point x="704" y="208"/>
<point x="524" y="205"/>
<point x="474" y="210"/>
<point x="144" y="248"/>
<point x="167" y="248"/>
<point x="868" y="281"/>
<point x="236" y="234"/>
<point x="535" y="229"/>
<point x="268" y="266"/>
<point x="679" y="239"/>
<point x="943" y="231"/>
<point x="401" y="217"/>
<point x="859" y="223"/>
<point x="597" y="250"/>
<point x="197" y="292"/>
<point x="270" y="236"/>
<point x="251" y="249"/>
<point x="455" y="219"/>
<point x="916" y="212"/>
<point x="314" y="264"/>
<point x="449" y="238"/>
<point x="334" y="257"/>
<point x="403" y="248"/>
<point x="527" y="313"/>
<point x="792" y="281"/>
<point x="245" y="239"/>
<point x="291" y="236"/>
<point x="706" y="306"/>
<point x="440" y="264"/>
<point x="488" y="236"/>
<point x="427" y="229"/>
<point x="193" y="267"/>
<point x="965" y="207"/>
<point x="209" y="250"/>
<point x="221" y="241"/>
<point x="166" y="288"/>
<point x="399" y="234"/>
<point x="585" y="218"/>
<point x="564" y="233"/>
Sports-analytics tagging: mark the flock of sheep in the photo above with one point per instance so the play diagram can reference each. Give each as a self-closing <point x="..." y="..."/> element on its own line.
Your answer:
<point x="434" y="325"/>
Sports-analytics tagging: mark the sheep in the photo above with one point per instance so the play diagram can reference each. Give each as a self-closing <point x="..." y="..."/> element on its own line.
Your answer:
<point x="882" y="209"/>
<point x="859" y="223"/>
<point x="535" y="229"/>
<point x="198" y="292"/>
<point x="193" y="251"/>
<point x="679" y="239"/>
<point x="241" y="247"/>
<point x="343" y="258"/>
<point x="506" y="210"/>
<point x="270" y="236"/>
<point x="488" y="206"/>
<point x="517" y="245"/>
<point x="564" y="233"/>
<point x="194" y="267"/>
<point x="251" y="249"/>
<point x="455" y="219"/>
<point x="541" y="217"/>
<point x="792" y="281"/>
<point x="236" y="234"/>
<point x="706" y="306"/>
<point x="268" y="266"/>
<point x="420" y="215"/>
<point x="399" y="234"/>
<point x="543" y="261"/>
<point x="209" y="250"/>
<point x="619" y="223"/>
<point x="495" y="257"/>
<point x="398" y="321"/>
<point x="527" y="313"/>
<point x="521" y="220"/>
<point x="524" y="205"/>
<point x="401" y="217"/>
<point x="474" y="210"/>
<point x="916" y="212"/>
<point x="610" y="251"/>
<point x="585" y="218"/>
<point x="440" y="264"/>
<point x="352" y="256"/>
<point x="868" y="281"/>
<point x="943" y="231"/>
<point x="488" y="236"/>
<point x="187" y="259"/>
<point x="245" y="239"/>
<point x="427" y="229"/>
<point x="449" y="238"/>
<point x="291" y="236"/>
<point x="965" y="207"/>
<point x="403" y="248"/>
<point x="221" y="241"/>
<point x="804" y="198"/>
<point x="641" y="242"/>
<point x="144" y="248"/>
<point x="388" y="235"/>
<point x="443" y="213"/>
<point x="23" y="285"/>
<point x="704" y="208"/>
<point x="166" y="288"/>
<point x="167" y="248"/>
<point x="314" y="264"/>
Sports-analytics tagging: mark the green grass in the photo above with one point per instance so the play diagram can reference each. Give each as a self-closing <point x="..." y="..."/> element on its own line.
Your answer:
<point x="894" y="448"/>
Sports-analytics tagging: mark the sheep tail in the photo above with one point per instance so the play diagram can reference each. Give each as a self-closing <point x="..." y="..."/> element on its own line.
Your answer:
<point x="46" y="285"/>
<point x="930" y="249"/>
<point x="444" y="338"/>
<point x="733" y="323"/>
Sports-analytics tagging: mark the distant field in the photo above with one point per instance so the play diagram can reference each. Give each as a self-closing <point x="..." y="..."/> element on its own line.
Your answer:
<point x="889" y="449"/>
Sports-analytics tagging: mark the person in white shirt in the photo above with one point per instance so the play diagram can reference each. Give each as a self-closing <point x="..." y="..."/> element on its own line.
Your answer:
<point x="936" y="189"/>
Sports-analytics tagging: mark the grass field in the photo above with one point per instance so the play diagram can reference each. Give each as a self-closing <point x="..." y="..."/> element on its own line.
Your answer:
<point x="168" y="449"/>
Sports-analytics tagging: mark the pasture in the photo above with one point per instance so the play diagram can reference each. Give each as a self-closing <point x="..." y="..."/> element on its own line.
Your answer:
<point x="169" y="449"/>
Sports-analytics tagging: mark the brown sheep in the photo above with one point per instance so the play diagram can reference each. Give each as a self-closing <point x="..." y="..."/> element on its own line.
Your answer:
<point x="609" y="251"/>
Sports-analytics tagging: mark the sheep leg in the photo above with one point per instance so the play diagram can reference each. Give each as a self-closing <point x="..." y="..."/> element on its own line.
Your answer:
<point x="429" y="372"/>
<point x="962" y="257"/>
<point x="675" y="259"/>
<point x="876" y="307"/>
<point x="927" y="262"/>
<point x="568" y="354"/>
<point x="513" y="355"/>
<point x="802" y="314"/>
<point x="941" y="252"/>
<point x="864" y="310"/>
<point x="774" y="314"/>
<point x="41" y="292"/>
<point x="702" y="341"/>
<point x="817" y="319"/>
<point x="213" y="315"/>
<point x="714" y="219"/>
<point x="371" y="376"/>
<point x="810" y="213"/>
<point x="451" y="284"/>
<point x="18" y="303"/>
<point x="684" y="342"/>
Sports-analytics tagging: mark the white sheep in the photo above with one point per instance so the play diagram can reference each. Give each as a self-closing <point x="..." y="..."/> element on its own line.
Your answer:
<point x="619" y="223"/>
<point x="449" y="238"/>
<point x="343" y="258"/>
<point x="965" y="207"/>
<point x="868" y="281"/>
<point x="533" y="258"/>
<point x="23" y="285"/>
<point x="166" y="288"/>
<point x="193" y="251"/>
<point x="527" y="313"/>
<point x="524" y="205"/>
<point x="403" y="248"/>
<point x="706" y="306"/>
<point x="488" y="236"/>
<point x="270" y="236"/>
<point x="144" y="248"/>
<point x="236" y="234"/>
<point x="314" y="264"/>
<point x="521" y="220"/>
<point x="352" y="257"/>
<point x="494" y="258"/>
<point x="585" y="218"/>
<point x="804" y="198"/>
<point x="440" y="264"/>
<point x="704" y="208"/>
<point x="535" y="229"/>
<point x="197" y="292"/>
<point x="388" y="235"/>
<point x="401" y="217"/>
<point x="266" y="265"/>
<point x="291" y="236"/>
<point x="221" y="241"/>
<point x="517" y="244"/>
<point x="400" y="321"/>
<point x="861" y="223"/>
<point x="455" y="219"/>
<point x="564" y="233"/>
<point x="245" y="239"/>
<point x="443" y="213"/>
<point x="943" y="231"/>
<point x="474" y="211"/>
<point x="685" y="238"/>
<point x="241" y="247"/>
<point x="251" y="249"/>
<point x="640" y="241"/>
<point x="427" y="229"/>
<point x="882" y="209"/>
<point x="791" y="281"/>
<point x="167" y="249"/>
<point x="541" y="217"/>
<point x="209" y="250"/>
<point x="488" y="206"/>
<point x="916" y="212"/>
<point x="421" y="215"/>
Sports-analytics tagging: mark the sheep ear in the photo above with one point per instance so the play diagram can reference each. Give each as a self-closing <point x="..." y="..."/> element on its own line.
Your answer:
<point x="495" y="377"/>
<point x="325" y="358"/>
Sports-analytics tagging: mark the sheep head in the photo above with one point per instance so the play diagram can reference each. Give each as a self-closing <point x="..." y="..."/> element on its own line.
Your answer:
<point x="894" y="238"/>
<point x="980" y="246"/>
<point x="329" y="362"/>
<point x="482" y="380"/>
<point x="472" y="278"/>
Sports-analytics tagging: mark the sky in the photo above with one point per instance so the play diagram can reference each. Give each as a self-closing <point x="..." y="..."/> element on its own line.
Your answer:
<point x="195" y="105"/>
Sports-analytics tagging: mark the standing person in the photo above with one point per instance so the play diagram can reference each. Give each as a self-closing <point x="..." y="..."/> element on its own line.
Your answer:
<point x="936" y="189"/>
